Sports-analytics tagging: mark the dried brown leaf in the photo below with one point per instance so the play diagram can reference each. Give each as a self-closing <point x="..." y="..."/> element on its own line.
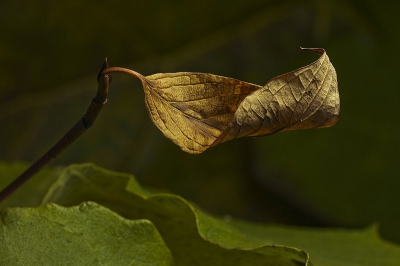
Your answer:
<point x="197" y="111"/>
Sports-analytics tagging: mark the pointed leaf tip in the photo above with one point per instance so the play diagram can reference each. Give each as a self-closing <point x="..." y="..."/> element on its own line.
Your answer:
<point x="319" y="51"/>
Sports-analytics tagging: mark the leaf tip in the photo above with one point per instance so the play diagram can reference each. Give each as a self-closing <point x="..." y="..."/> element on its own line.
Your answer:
<point x="319" y="51"/>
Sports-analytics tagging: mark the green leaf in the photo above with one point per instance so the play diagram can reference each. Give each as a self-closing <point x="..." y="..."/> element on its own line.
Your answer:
<point x="84" y="235"/>
<point x="173" y="216"/>
<point x="329" y="246"/>
<point x="196" y="238"/>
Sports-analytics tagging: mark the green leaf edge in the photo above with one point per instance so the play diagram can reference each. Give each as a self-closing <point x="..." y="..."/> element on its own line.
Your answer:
<point x="201" y="218"/>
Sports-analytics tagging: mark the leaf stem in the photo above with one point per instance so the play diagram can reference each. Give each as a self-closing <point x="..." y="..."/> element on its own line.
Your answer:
<point x="103" y="80"/>
<point x="122" y="70"/>
<point x="126" y="71"/>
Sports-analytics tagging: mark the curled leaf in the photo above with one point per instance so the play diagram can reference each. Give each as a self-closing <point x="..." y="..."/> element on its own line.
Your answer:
<point x="197" y="111"/>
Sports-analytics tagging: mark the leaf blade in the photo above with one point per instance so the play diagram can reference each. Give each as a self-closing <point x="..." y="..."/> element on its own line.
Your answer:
<point x="291" y="101"/>
<point x="192" y="109"/>
<point x="186" y="229"/>
<point x="177" y="220"/>
<point x="197" y="110"/>
<point x="88" y="234"/>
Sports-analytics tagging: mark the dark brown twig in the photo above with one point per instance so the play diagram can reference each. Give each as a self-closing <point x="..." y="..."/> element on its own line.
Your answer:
<point x="103" y="80"/>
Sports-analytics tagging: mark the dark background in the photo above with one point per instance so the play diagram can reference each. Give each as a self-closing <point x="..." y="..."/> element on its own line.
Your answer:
<point x="345" y="176"/>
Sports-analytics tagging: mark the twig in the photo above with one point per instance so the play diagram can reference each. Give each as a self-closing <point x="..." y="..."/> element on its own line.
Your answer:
<point x="103" y="80"/>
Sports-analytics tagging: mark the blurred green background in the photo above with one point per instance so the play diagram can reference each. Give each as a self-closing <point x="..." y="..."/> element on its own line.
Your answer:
<point x="345" y="176"/>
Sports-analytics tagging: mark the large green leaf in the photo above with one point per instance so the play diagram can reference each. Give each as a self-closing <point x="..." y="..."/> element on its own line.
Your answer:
<point x="196" y="238"/>
<point x="84" y="235"/>
<point x="177" y="220"/>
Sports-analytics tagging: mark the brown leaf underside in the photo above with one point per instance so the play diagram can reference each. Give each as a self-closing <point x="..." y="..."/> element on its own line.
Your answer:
<point x="197" y="111"/>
